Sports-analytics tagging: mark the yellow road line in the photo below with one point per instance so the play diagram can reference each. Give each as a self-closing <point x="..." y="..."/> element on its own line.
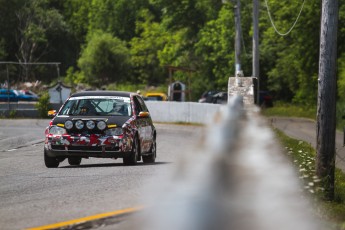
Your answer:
<point x="85" y="219"/>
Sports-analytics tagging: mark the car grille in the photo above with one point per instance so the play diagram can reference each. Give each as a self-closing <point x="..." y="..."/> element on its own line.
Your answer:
<point x="85" y="148"/>
<point x="84" y="131"/>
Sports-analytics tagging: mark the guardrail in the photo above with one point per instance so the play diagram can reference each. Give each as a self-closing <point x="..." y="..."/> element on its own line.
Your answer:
<point x="238" y="178"/>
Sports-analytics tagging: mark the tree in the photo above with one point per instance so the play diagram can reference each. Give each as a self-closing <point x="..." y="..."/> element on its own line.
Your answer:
<point x="35" y="20"/>
<point x="290" y="61"/>
<point x="115" y="17"/>
<point x="8" y="24"/>
<point x="215" y="49"/>
<point x="104" y="59"/>
<point x="144" y="50"/>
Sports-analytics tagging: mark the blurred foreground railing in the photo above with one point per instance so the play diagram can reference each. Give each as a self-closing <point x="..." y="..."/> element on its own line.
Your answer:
<point x="237" y="178"/>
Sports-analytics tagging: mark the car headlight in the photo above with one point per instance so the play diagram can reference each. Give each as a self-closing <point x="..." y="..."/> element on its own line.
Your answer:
<point x="56" y="130"/>
<point x="114" y="132"/>
<point x="90" y="124"/>
<point x="79" y="124"/>
<point x="101" y="125"/>
<point x="68" y="124"/>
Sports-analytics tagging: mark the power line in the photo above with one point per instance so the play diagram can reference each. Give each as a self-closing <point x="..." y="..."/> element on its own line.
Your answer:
<point x="275" y="28"/>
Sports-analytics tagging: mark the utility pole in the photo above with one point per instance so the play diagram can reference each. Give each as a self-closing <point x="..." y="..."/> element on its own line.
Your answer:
<point x="255" y="67"/>
<point x="237" y="12"/>
<point x="326" y="106"/>
<point x="237" y="9"/>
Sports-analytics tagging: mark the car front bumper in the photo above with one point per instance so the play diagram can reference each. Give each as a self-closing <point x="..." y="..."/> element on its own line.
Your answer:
<point x="94" y="145"/>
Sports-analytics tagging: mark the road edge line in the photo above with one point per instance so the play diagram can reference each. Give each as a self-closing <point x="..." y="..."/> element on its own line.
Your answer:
<point x="86" y="219"/>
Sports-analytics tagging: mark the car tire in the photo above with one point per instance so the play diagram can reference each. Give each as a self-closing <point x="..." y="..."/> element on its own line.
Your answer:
<point x="149" y="159"/>
<point x="132" y="158"/>
<point x="74" y="161"/>
<point x="50" y="162"/>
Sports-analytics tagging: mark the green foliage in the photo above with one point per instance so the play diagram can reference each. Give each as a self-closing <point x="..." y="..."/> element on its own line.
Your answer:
<point x="341" y="77"/>
<point x="141" y="37"/>
<point x="76" y="14"/>
<point x="215" y="49"/>
<point x="290" y="110"/>
<point x="2" y="48"/>
<point x="340" y="114"/>
<point x="74" y="77"/>
<point x="291" y="62"/>
<point x="12" y="114"/>
<point x="284" y="109"/>
<point x="128" y="87"/>
<point x="43" y="105"/>
<point x="116" y="17"/>
<point x="144" y="50"/>
<point x="104" y="59"/>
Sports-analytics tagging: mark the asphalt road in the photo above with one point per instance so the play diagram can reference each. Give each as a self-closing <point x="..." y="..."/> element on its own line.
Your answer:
<point x="305" y="129"/>
<point x="32" y="195"/>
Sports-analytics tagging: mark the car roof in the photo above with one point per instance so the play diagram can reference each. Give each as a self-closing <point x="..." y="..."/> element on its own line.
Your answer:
<point x="103" y="93"/>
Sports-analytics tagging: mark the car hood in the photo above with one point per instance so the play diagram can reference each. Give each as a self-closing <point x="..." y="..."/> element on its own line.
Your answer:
<point x="114" y="120"/>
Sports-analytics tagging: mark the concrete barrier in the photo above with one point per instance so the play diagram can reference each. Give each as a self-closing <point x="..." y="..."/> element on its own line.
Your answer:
<point x="190" y="112"/>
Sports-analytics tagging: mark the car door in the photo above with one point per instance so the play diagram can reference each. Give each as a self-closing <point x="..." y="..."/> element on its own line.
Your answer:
<point x="144" y="125"/>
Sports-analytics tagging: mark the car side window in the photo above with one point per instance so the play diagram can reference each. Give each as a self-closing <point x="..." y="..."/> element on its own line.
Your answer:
<point x="142" y="104"/>
<point x="137" y="105"/>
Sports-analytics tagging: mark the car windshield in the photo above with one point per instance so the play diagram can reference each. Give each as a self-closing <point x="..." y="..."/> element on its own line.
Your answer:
<point x="97" y="106"/>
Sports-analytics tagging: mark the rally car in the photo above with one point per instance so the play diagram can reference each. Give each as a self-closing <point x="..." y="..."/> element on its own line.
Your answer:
<point x="103" y="124"/>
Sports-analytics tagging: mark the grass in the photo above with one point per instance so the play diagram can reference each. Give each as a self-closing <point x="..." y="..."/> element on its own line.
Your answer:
<point x="284" y="109"/>
<point x="303" y="157"/>
<point x="290" y="110"/>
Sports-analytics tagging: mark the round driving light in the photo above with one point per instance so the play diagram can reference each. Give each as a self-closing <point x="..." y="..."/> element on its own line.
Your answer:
<point x="90" y="124"/>
<point x="101" y="125"/>
<point x="79" y="124"/>
<point x="68" y="124"/>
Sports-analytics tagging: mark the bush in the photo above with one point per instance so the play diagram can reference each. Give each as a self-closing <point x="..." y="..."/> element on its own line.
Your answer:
<point x="43" y="105"/>
<point x="13" y="114"/>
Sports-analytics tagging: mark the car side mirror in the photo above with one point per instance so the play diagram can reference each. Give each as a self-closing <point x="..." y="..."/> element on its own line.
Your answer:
<point x="51" y="113"/>
<point x="144" y="114"/>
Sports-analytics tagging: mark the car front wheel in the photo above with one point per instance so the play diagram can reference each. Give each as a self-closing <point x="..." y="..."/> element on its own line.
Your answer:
<point x="132" y="158"/>
<point x="152" y="157"/>
<point x="50" y="162"/>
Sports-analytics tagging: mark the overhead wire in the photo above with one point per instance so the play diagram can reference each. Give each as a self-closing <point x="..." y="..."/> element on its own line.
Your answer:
<point x="274" y="26"/>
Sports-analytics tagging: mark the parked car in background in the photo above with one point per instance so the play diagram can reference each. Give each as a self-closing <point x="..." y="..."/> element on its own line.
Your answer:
<point x="29" y="95"/>
<point x="220" y="98"/>
<point x="102" y="124"/>
<point x="207" y="96"/>
<point x="155" y="97"/>
<point x="8" y="95"/>
<point x="265" y="99"/>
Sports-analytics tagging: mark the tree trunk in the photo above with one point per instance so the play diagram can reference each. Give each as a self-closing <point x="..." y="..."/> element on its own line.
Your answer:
<point x="326" y="108"/>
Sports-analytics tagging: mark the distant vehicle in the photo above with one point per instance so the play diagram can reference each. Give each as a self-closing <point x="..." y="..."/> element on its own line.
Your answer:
<point x="101" y="124"/>
<point x="265" y="99"/>
<point x="207" y="96"/>
<point x="9" y="95"/>
<point x="29" y="95"/>
<point x="220" y="98"/>
<point x="155" y="97"/>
